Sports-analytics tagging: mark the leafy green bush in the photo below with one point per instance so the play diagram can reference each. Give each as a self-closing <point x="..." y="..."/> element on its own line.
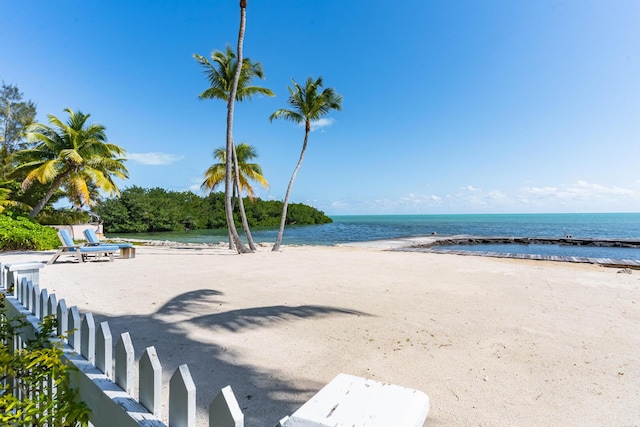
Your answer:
<point x="21" y="234"/>
<point x="31" y="373"/>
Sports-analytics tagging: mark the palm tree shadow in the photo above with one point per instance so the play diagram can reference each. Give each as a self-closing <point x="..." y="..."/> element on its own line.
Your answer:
<point x="190" y="302"/>
<point x="263" y="397"/>
<point x="236" y="320"/>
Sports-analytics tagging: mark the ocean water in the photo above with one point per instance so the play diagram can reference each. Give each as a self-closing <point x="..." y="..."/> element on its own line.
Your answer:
<point x="361" y="228"/>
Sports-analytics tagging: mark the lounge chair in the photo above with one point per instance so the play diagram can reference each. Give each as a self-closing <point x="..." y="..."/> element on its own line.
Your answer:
<point x="80" y="252"/>
<point x="127" y="250"/>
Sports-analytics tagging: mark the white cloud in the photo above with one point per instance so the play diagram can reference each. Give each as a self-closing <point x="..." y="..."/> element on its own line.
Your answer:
<point x="196" y="185"/>
<point x="580" y="196"/>
<point x="601" y="189"/>
<point x="497" y="195"/>
<point x="580" y="191"/>
<point x="540" y="191"/>
<point x="417" y="200"/>
<point x="321" y="123"/>
<point x="340" y="204"/>
<point x="154" y="159"/>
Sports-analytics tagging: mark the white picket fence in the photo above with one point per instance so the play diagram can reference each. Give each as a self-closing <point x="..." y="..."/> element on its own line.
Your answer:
<point x="105" y="380"/>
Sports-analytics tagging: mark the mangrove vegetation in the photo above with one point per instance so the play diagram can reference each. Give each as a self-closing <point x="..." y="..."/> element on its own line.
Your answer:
<point x="140" y="210"/>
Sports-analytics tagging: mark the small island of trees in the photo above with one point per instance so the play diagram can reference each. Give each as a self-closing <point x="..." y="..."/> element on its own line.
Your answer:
<point x="140" y="210"/>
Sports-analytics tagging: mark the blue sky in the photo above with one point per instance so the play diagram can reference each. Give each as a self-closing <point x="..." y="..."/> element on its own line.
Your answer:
<point x="449" y="106"/>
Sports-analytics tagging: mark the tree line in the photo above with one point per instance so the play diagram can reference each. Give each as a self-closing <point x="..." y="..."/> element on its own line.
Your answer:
<point x="140" y="210"/>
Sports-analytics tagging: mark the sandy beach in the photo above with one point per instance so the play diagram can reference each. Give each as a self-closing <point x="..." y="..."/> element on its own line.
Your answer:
<point x="493" y="342"/>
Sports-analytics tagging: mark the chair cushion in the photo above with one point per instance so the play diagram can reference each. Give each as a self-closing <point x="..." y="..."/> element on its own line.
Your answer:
<point x="101" y="248"/>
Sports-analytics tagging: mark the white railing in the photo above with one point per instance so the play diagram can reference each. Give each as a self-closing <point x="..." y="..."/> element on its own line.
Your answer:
<point x="104" y="380"/>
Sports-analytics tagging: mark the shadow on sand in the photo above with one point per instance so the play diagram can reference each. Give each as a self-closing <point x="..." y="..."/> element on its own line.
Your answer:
<point x="263" y="397"/>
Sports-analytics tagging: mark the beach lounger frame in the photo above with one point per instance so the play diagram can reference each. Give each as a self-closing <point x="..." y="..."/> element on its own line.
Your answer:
<point x="82" y="253"/>
<point x="127" y="250"/>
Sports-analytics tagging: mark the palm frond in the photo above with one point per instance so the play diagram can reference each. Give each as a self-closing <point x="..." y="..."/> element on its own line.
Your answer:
<point x="214" y="176"/>
<point x="216" y="173"/>
<point x="290" y="115"/>
<point x="307" y="103"/>
<point x="220" y="74"/>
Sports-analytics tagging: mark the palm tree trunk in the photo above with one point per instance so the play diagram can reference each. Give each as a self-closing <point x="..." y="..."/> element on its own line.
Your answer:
<point x="4" y="167"/>
<point x="243" y="214"/>
<point x="241" y="248"/>
<point x="233" y="208"/>
<point x="5" y="149"/>
<point x="56" y="184"/>
<point x="276" y="245"/>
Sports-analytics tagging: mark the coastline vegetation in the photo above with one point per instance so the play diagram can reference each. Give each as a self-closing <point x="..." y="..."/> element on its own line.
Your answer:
<point x="140" y="210"/>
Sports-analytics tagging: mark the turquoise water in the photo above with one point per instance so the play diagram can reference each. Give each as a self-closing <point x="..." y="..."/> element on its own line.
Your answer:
<point x="360" y="228"/>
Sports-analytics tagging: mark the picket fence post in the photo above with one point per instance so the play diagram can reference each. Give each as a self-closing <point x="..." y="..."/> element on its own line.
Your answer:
<point x="44" y="303"/>
<point x="62" y="314"/>
<point x="224" y="410"/>
<point x="88" y="338"/>
<point x="34" y="299"/>
<point x="27" y="294"/>
<point x="150" y="381"/>
<point x="73" y="331"/>
<point x="182" y="399"/>
<point x="104" y="350"/>
<point x="125" y="363"/>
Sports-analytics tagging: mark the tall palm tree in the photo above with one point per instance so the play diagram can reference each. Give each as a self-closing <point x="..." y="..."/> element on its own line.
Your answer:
<point x="308" y="104"/>
<point x="73" y="155"/>
<point x="230" y="146"/>
<point x="231" y="82"/>
<point x="247" y="171"/>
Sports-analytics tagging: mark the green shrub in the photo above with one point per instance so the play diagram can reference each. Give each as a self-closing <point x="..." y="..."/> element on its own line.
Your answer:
<point x="32" y="371"/>
<point x="22" y="234"/>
